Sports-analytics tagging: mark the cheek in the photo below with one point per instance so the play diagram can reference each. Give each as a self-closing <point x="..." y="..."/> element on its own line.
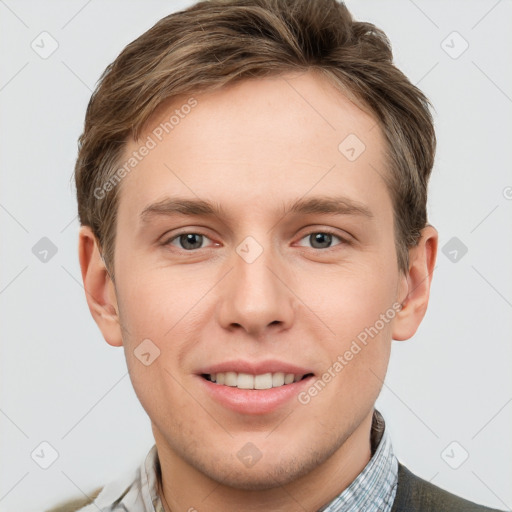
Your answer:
<point x="156" y="304"/>
<point x="351" y="379"/>
<point x="357" y="306"/>
<point x="350" y="300"/>
<point x="154" y="322"/>
<point x="159" y="312"/>
<point x="162" y="392"/>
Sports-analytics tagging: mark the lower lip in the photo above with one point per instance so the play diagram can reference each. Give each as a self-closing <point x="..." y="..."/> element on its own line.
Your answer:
<point x="254" y="401"/>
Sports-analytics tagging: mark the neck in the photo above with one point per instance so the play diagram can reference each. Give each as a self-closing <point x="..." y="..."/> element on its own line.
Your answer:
<point x="184" y="487"/>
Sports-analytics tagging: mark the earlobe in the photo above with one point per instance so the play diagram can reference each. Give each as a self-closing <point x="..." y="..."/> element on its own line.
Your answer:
<point x="99" y="289"/>
<point x="418" y="279"/>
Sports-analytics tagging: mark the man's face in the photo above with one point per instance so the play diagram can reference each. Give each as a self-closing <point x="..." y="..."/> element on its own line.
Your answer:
<point x="258" y="287"/>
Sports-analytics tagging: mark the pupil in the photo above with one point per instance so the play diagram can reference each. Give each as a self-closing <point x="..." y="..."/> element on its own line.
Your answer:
<point x="322" y="239"/>
<point x="191" y="241"/>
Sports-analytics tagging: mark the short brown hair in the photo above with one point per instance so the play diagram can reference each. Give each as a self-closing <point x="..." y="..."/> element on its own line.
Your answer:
<point x="217" y="42"/>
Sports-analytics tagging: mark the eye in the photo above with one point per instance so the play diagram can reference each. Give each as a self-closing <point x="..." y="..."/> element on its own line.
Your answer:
<point x="321" y="239"/>
<point x="187" y="241"/>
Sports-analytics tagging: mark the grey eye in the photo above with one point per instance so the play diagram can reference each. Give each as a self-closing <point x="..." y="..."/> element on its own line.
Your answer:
<point x="190" y="241"/>
<point x="321" y="240"/>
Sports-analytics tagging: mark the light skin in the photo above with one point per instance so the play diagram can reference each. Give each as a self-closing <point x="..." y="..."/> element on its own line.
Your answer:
<point x="254" y="149"/>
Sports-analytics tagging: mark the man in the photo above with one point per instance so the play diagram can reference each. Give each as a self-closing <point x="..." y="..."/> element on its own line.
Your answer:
<point x="251" y="186"/>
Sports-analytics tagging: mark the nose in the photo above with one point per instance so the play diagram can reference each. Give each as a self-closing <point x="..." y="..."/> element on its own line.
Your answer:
<point x="255" y="296"/>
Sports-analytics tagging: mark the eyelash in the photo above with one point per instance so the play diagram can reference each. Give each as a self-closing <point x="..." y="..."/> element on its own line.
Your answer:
<point x="343" y="241"/>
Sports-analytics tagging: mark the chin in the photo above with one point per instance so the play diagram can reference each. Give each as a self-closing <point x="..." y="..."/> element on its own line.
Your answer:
<point x="265" y="478"/>
<point x="264" y="475"/>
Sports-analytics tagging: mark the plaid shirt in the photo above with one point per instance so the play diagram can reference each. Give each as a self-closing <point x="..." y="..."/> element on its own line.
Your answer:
<point x="373" y="490"/>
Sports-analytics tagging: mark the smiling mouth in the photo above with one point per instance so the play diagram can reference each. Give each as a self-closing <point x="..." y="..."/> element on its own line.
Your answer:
<point x="249" y="381"/>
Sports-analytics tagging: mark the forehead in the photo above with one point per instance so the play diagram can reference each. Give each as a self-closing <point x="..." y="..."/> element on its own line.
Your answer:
<point x="258" y="141"/>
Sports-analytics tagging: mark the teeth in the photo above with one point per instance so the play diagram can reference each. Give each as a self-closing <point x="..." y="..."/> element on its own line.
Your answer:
<point x="248" y="381"/>
<point x="277" y="379"/>
<point x="245" y="381"/>
<point x="263" y="381"/>
<point x="231" y="379"/>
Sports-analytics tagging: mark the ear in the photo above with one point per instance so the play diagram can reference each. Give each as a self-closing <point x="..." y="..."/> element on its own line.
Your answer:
<point x="99" y="288"/>
<point x="416" y="290"/>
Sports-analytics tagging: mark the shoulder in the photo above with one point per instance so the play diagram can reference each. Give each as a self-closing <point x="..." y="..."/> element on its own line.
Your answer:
<point x="135" y="486"/>
<point x="75" y="504"/>
<point x="417" y="495"/>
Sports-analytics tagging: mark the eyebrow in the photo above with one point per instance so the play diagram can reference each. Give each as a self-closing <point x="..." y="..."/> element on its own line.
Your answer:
<point x="337" y="205"/>
<point x="180" y="206"/>
<point x="330" y="205"/>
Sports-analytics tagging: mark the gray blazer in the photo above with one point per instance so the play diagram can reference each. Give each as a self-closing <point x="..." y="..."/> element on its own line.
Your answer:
<point x="416" y="495"/>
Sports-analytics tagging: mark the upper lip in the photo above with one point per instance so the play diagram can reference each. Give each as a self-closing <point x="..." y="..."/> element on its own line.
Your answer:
<point x="254" y="368"/>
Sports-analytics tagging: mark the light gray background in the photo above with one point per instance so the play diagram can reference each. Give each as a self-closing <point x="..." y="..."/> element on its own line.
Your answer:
<point x="61" y="383"/>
